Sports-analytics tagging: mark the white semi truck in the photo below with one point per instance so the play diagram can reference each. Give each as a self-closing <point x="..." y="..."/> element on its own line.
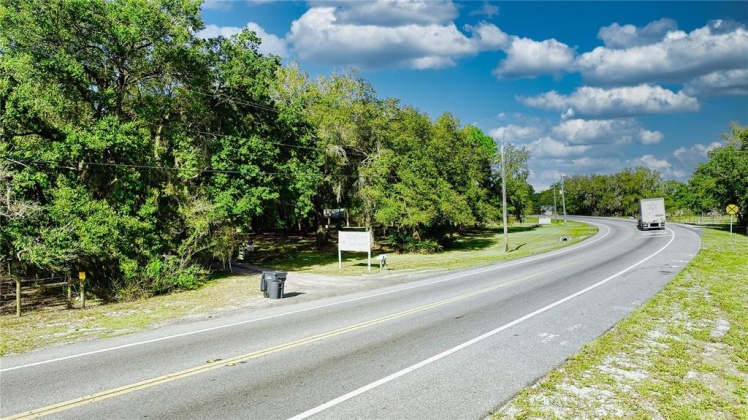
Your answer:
<point x="651" y="213"/>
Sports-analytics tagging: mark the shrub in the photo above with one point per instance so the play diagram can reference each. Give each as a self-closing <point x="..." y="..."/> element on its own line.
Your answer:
<point x="170" y="274"/>
<point x="405" y="242"/>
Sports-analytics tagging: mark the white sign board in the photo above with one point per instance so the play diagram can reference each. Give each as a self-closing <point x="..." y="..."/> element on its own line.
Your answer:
<point x="353" y="241"/>
<point x="544" y="220"/>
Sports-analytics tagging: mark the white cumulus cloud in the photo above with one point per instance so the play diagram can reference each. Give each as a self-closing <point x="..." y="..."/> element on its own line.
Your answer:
<point x="611" y="131"/>
<point x="721" y="83"/>
<point x="487" y="36"/>
<point x="529" y="58"/>
<point x="213" y="31"/>
<point x="678" y="57"/>
<point x="655" y="164"/>
<point x="488" y="10"/>
<point x="596" y="165"/>
<point x="394" y="13"/>
<point x="647" y="137"/>
<point x="548" y="147"/>
<point x="617" y="102"/>
<point x="344" y="35"/>
<point x="270" y="44"/>
<point x="679" y="164"/>
<point x="217" y="4"/>
<point x="697" y="152"/>
<point x="514" y="132"/>
<point x="668" y="168"/>
<point x="626" y="36"/>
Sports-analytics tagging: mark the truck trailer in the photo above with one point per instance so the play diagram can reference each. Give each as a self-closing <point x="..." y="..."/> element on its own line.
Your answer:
<point x="651" y="213"/>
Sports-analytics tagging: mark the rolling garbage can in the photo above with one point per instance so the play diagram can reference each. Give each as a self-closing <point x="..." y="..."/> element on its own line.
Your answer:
<point x="272" y="284"/>
<point x="264" y="283"/>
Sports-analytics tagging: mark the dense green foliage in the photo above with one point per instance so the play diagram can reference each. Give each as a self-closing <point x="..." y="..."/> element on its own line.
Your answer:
<point x="139" y="153"/>
<point x="616" y="194"/>
<point x="721" y="180"/>
<point x="134" y="151"/>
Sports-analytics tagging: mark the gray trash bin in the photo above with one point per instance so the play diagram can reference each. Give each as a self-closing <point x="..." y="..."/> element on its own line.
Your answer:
<point x="272" y="284"/>
<point x="264" y="282"/>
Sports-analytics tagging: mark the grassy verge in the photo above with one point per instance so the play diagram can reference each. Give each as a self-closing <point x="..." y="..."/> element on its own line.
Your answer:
<point x="473" y="249"/>
<point x="57" y="325"/>
<point x="682" y="355"/>
<point x="51" y="325"/>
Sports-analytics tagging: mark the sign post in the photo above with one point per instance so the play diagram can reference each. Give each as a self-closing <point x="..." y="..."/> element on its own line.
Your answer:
<point x="354" y="241"/>
<point x="732" y="210"/>
<point x="82" y="278"/>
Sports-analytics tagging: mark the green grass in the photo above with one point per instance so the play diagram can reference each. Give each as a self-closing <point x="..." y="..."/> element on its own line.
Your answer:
<point x="685" y="350"/>
<point x="473" y="249"/>
<point x="54" y="324"/>
<point x="698" y="219"/>
<point x="57" y="325"/>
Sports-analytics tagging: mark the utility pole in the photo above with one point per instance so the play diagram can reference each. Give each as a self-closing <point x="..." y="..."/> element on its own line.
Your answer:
<point x="503" y="197"/>
<point x="555" y="209"/>
<point x="563" y="198"/>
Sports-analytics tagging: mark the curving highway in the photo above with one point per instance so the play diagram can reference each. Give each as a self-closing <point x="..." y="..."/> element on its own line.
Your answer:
<point x="450" y="346"/>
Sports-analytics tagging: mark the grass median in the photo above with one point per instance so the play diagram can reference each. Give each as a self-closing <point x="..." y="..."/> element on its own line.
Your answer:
<point x="682" y="355"/>
<point x="54" y="324"/>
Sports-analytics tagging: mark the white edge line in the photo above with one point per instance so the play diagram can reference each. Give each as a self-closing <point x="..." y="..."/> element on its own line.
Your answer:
<point x="466" y="344"/>
<point x="155" y="340"/>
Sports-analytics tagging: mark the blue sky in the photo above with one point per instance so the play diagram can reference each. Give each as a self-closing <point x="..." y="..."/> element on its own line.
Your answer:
<point x="587" y="87"/>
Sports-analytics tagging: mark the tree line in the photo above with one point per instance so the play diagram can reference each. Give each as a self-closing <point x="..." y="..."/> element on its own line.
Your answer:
<point x="719" y="181"/>
<point x="139" y="153"/>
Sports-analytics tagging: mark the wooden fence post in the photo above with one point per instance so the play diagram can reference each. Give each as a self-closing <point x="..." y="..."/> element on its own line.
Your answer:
<point x="18" y="297"/>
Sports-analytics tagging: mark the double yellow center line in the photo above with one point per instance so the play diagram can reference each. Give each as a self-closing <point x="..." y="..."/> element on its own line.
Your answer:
<point x="111" y="393"/>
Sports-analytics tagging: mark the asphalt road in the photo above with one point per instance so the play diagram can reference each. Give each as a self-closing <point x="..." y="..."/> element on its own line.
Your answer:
<point x="450" y="346"/>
